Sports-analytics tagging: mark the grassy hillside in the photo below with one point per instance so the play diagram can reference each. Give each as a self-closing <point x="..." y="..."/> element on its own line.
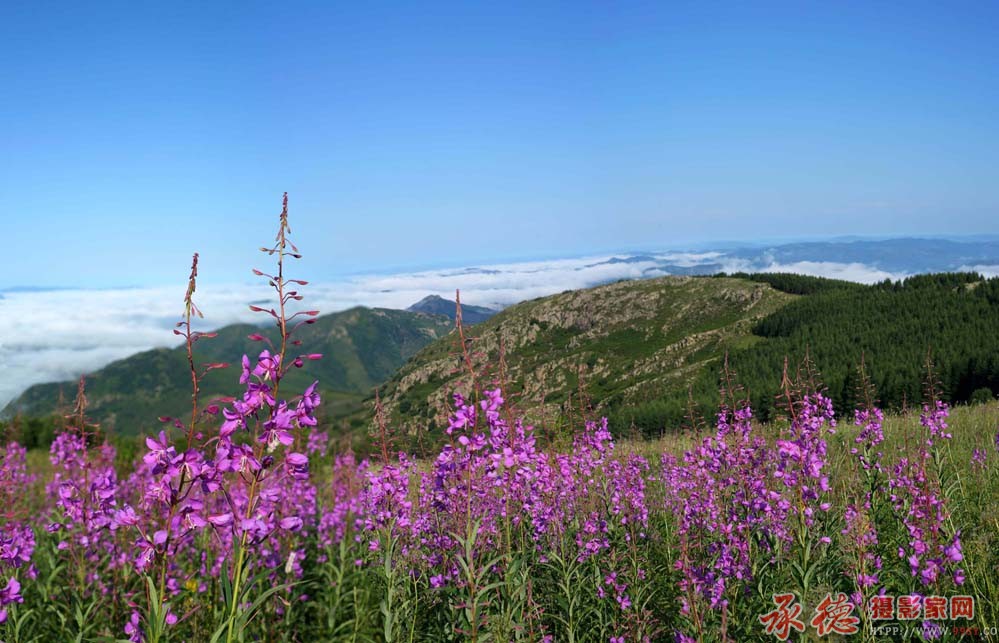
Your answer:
<point x="646" y="349"/>
<point x="361" y="347"/>
<point x="632" y="341"/>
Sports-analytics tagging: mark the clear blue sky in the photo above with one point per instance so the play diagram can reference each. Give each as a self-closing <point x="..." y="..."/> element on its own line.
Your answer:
<point x="132" y="134"/>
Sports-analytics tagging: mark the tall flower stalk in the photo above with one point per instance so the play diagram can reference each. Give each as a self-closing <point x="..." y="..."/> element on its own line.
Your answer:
<point x="271" y="422"/>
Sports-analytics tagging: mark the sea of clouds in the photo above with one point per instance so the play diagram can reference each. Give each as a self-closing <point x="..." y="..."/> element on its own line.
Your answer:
<point x="60" y="334"/>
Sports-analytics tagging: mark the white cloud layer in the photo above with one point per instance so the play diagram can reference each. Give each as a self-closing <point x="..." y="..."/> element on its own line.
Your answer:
<point x="858" y="272"/>
<point x="987" y="270"/>
<point x="57" y="335"/>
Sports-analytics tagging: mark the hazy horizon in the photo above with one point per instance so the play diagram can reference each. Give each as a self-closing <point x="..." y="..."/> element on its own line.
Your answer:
<point x="444" y="263"/>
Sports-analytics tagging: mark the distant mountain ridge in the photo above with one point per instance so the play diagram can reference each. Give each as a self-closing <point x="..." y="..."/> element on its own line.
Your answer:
<point x="437" y="305"/>
<point x="898" y="256"/>
<point x="361" y="348"/>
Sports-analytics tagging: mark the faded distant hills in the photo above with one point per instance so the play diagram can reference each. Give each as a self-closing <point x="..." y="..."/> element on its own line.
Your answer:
<point x="437" y="305"/>
<point x="860" y="260"/>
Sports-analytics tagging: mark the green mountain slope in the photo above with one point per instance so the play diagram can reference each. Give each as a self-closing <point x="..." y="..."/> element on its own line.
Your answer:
<point x="361" y="348"/>
<point x="646" y="349"/>
<point x="952" y="318"/>
<point x="634" y="341"/>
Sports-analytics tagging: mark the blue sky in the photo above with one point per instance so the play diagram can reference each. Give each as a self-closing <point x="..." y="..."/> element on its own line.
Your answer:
<point x="132" y="134"/>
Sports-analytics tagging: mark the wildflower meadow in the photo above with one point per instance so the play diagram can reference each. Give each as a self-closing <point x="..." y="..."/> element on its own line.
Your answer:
<point x="247" y="521"/>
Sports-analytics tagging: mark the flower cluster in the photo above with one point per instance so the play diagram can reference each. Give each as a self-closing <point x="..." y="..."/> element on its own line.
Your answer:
<point x="934" y="418"/>
<point x="862" y="541"/>
<point x="929" y="552"/>
<point x="871" y="435"/>
<point x="17" y="539"/>
<point x="85" y="492"/>
<point x="722" y="494"/>
<point x="916" y="495"/>
<point x="802" y="457"/>
<point x="240" y="491"/>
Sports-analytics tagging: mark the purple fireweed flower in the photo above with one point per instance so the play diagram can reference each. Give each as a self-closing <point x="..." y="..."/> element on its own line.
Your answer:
<point x="935" y="419"/>
<point x="591" y="539"/>
<point x="145" y="552"/>
<point x="802" y="457"/>
<point x="953" y="551"/>
<point x="870" y="421"/>
<point x="233" y="422"/>
<point x="267" y="366"/>
<point x="125" y="517"/>
<point x="242" y="491"/>
<point x="871" y="435"/>
<point x="298" y="465"/>
<point x="277" y="430"/>
<point x="492" y="474"/>
<point x="85" y="490"/>
<point x="923" y="511"/>
<point x="10" y="594"/>
<point x="720" y="494"/>
<point x="133" y="628"/>
<point x="464" y="416"/>
<point x="17" y="543"/>
<point x="861" y="542"/>
<point x="305" y="410"/>
<point x="932" y="630"/>
<point x="14" y="476"/>
<point x="161" y="452"/>
<point x="386" y="500"/>
<point x="244" y="376"/>
<point x="292" y="523"/>
<point x="318" y="443"/>
<point x="220" y="520"/>
<point x="17" y="538"/>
